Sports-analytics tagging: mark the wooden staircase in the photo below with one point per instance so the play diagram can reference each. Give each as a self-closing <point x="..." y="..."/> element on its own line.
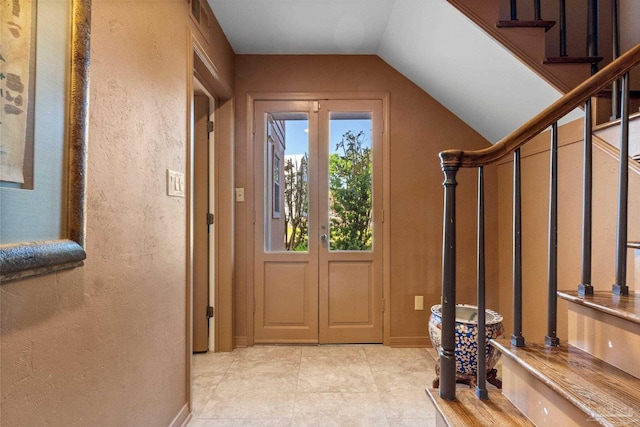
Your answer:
<point x="592" y="377"/>
<point x="526" y="38"/>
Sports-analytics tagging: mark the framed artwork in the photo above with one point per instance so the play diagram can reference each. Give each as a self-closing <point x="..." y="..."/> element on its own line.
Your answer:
<point x="44" y="62"/>
<point x="17" y="90"/>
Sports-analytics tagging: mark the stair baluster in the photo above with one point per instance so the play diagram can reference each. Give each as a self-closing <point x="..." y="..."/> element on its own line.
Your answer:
<point x="620" y="287"/>
<point x="536" y="10"/>
<point x="585" y="287"/>
<point x="513" y="10"/>
<point x="562" y="17"/>
<point x="592" y="34"/>
<point x="481" y="384"/>
<point x="551" y="339"/>
<point x="516" y="338"/>
<point x="615" y="43"/>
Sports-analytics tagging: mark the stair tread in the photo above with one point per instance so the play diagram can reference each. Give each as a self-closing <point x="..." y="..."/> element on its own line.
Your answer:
<point x="625" y="307"/>
<point x="536" y="23"/>
<point x="468" y="410"/>
<point x="572" y="59"/>
<point x="605" y="393"/>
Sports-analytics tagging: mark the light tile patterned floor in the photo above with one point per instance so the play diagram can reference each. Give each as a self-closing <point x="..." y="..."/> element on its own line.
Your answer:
<point x="355" y="385"/>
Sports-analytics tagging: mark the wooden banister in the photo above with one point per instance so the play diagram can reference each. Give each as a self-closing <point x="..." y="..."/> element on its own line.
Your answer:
<point x="572" y="100"/>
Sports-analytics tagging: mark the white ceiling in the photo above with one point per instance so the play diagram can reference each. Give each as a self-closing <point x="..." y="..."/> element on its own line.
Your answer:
<point x="428" y="41"/>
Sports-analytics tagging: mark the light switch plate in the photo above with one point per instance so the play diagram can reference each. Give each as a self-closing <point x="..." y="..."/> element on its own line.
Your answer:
<point x="175" y="183"/>
<point x="239" y="194"/>
<point x="419" y="303"/>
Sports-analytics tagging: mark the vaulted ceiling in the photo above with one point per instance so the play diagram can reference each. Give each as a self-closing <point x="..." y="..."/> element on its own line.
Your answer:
<point x="428" y="41"/>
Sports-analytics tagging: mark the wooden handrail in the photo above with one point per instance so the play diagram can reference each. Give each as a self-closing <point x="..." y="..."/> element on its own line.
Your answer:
<point x="570" y="101"/>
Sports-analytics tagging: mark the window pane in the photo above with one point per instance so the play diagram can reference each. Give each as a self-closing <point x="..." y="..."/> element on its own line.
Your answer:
<point x="350" y="182"/>
<point x="287" y="192"/>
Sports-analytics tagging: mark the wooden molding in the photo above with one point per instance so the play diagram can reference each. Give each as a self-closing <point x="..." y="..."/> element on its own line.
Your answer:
<point x="239" y="342"/>
<point x="574" y="138"/>
<point x="614" y="152"/>
<point x="410" y="342"/>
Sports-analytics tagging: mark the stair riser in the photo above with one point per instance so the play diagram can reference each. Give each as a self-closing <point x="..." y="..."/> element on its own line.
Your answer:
<point x="611" y="134"/>
<point x="609" y="338"/>
<point x="536" y="401"/>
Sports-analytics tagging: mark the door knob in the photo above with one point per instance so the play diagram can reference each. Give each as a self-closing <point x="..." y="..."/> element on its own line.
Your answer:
<point x="323" y="238"/>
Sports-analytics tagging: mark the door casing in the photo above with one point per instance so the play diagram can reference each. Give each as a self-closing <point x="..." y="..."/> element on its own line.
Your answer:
<point x="252" y="209"/>
<point x="203" y="234"/>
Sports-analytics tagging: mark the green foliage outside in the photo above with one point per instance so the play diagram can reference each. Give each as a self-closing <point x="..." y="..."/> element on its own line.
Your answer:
<point x="349" y="197"/>
<point x="350" y="194"/>
<point x="297" y="200"/>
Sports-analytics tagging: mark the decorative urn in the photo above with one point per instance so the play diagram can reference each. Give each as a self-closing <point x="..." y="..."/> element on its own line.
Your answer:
<point x="466" y="345"/>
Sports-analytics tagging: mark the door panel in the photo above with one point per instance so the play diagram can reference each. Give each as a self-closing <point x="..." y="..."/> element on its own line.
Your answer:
<point x="286" y="305"/>
<point x="318" y="260"/>
<point x="348" y="282"/>
<point x="350" y="264"/>
<point x="286" y="258"/>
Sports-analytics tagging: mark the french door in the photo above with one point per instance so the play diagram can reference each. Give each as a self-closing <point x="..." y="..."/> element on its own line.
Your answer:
<point x="318" y="228"/>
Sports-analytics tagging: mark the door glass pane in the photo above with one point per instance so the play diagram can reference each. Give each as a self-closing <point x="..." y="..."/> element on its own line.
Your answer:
<point x="286" y="179"/>
<point x="350" y="182"/>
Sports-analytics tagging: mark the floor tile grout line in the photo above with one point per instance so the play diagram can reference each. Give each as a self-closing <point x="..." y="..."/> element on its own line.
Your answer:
<point x="378" y="395"/>
<point x="295" y="395"/>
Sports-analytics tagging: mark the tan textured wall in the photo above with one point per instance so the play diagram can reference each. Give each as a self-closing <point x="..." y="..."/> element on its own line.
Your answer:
<point x="419" y="129"/>
<point x="105" y="344"/>
<point x="535" y="205"/>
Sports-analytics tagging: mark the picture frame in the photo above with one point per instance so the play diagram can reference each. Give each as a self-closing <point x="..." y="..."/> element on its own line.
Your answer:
<point x="30" y="258"/>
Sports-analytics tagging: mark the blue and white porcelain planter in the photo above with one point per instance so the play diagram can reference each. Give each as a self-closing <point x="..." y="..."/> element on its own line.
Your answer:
<point x="466" y="347"/>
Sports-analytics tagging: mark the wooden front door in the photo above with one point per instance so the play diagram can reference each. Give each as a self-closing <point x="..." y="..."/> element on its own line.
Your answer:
<point x="318" y="260"/>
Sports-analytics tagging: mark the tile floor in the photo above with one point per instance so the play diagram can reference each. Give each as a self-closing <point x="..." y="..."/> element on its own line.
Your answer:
<point x="355" y="385"/>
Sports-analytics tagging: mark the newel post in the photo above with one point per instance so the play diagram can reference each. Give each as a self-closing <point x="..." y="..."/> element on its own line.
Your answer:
<point x="447" y="352"/>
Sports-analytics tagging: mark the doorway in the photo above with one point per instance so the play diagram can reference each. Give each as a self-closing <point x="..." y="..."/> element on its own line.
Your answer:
<point x="318" y="229"/>
<point x="203" y="219"/>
